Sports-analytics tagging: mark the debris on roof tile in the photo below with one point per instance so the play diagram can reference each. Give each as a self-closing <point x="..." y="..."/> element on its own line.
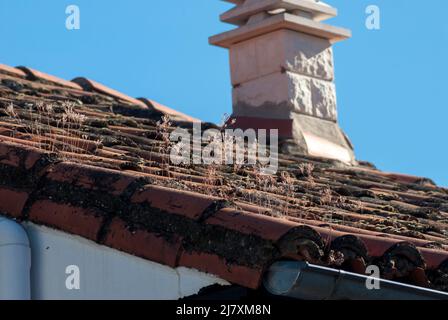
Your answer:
<point x="92" y="162"/>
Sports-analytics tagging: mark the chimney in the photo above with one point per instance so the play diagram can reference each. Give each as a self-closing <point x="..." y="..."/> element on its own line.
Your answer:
<point x="282" y="73"/>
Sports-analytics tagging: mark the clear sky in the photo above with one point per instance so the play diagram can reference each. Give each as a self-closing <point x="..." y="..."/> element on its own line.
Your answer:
<point x="391" y="83"/>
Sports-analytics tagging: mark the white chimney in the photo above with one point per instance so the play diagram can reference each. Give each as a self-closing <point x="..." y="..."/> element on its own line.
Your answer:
<point x="282" y="72"/>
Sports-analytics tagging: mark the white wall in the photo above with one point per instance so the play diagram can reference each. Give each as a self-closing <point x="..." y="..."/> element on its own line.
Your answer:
<point x="15" y="261"/>
<point x="104" y="273"/>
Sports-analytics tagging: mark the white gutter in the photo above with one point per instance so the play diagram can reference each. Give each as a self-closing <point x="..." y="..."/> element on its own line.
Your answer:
<point x="15" y="261"/>
<point x="301" y="280"/>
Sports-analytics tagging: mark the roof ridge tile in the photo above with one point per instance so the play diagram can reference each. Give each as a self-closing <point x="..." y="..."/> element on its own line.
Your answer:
<point x="12" y="71"/>
<point x="33" y="75"/>
<point x="91" y="85"/>
<point x="167" y="110"/>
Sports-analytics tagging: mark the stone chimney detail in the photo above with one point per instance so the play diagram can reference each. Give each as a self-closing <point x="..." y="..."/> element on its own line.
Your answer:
<point x="282" y="73"/>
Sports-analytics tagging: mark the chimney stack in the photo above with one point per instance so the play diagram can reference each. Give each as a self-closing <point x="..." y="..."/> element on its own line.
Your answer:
<point x="282" y="73"/>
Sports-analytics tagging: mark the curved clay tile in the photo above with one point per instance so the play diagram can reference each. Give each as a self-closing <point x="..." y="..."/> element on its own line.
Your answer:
<point x="38" y="75"/>
<point x="351" y="246"/>
<point x="90" y="85"/>
<point x="15" y="72"/>
<point x="167" y="111"/>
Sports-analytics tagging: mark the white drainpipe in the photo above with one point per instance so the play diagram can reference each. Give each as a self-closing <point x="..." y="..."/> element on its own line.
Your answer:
<point x="15" y="261"/>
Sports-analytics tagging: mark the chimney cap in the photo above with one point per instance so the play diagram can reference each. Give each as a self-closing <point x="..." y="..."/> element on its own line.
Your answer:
<point x="234" y="1"/>
<point x="244" y="10"/>
<point x="277" y="22"/>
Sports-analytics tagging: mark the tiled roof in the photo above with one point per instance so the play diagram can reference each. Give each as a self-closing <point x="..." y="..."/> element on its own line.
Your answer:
<point x="88" y="160"/>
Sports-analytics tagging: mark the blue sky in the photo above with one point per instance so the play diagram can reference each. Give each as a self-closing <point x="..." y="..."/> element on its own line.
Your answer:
<point x="391" y="82"/>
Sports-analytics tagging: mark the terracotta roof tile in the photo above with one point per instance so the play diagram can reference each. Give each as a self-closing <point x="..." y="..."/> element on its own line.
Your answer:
<point x="17" y="155"/>
<point x="91" y="85"/>
<point x="109" y="179"/>
<point x="38" y="75"/>
<point x="188" y="204"/>
<point x="167" y="111"/>
<point x="352" y="230"/>
<point x="75" y="220"/>
<point x="91" y="178"/>
<point x="143" y="244"/>
<point x="263" y="226"/>
<point x="12" y="201"/>
<point x="213" y="264"/>
<point x="70" y="143"/>
<point x="12" y="71"/>
<point x="9" y="157"/>
<point x="403" y="178"/>
<point x="419" y="277"/>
